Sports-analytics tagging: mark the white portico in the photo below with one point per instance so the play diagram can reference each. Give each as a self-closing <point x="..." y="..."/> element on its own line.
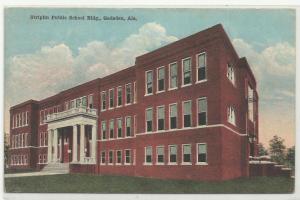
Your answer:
<point x="72" y="136"/>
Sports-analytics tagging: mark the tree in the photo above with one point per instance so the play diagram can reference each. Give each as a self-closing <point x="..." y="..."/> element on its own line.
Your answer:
<point x="290" y="156"/>
<point x="262" y="151"/>
<point x="277" y="149"/>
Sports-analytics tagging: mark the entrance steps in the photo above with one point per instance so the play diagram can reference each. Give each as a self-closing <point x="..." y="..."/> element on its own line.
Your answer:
<point x="59" y="168"/>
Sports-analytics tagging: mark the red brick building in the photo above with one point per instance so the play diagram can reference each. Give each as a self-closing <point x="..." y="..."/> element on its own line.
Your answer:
<point x="188" y="110"/>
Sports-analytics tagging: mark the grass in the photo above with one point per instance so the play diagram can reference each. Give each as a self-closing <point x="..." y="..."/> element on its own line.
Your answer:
<point x="80" y="183"/>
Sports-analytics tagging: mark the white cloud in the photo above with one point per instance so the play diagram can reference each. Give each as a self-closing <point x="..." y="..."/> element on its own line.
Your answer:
<point x="54" y="67"/>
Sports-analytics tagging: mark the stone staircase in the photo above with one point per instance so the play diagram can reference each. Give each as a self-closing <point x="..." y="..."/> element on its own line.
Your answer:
<point x="56" y="168"/>
<point x="262" y="166"/>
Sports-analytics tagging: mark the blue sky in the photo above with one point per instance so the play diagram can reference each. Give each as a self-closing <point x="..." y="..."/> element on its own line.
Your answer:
<point x="72" y="52"/>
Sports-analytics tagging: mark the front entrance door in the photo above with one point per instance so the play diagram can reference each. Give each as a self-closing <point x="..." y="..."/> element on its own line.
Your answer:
<point x="67" y="145"/>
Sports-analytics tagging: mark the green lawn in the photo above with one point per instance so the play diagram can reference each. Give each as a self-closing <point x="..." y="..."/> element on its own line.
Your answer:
<point x="77" y="183"/>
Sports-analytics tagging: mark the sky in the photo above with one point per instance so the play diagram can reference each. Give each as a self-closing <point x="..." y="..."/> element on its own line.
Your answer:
<point x="43" y="57"/>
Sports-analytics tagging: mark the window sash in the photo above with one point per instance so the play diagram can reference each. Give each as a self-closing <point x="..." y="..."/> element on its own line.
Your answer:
<point x="119" y="96"/>
<point x="127" y="156"/>
<point x="149" y="114"/>
<point x="128" y="93"/>
<point x="149" y="81"/>
<point x="111" y="98"/>
<point x="103" y="99"/>
<point x="187" y="108"/>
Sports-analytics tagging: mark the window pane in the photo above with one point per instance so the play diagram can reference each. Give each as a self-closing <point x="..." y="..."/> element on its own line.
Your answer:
<point x="149" y="114"/>
<point x="201" y="148"/>
<point x="173" y="110"/>
<point x="201" y="60"/>
<point x="160" y="150"/>
<point x="128" y="121"/>
<point x="149" y="151"/>
<point x="173" y="150"/>
<point x="119" y="123"/>
<point x="187" y="149"/>
<point x="149" y="77"/>
<point x="187" y="65"/>
<point x="161" y="112"/>
<point x="187" y="107"/>
<point x="202" y="105"/>
<point x="161" y="73"/>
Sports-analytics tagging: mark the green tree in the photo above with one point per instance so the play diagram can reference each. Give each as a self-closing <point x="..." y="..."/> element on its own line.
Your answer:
<point x="262" y="151"/>
<point x="290" y="156"/>
<point x="277" y="149"/>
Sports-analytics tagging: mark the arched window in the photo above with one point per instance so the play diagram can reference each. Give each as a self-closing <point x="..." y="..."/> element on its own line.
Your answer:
<point x="231" y="115"/>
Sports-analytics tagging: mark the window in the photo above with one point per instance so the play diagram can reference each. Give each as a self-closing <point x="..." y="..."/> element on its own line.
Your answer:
<point x="128" y="93"/>
<point x="27" y="118"/>
<point x="149" y="82"/>
<point x="173" y="154"/>
<point x="134" y="92"/>
<point x="72" y="105"/>
<point x="250" y="104"/>
<point x="173" y="116"/>
<point x="119" y="121"/>
<point x="160" y="155"/>
<point x="119" y="157"/>
<point x="127" y="156"/>
<point x="148" y="155"/>
<point x="111" y="98"/>
<point x="173" y="76"/>
<point x="103" y="157"/>
<point x="111" y="128"/>
<point x="78" y="103"/>
<point x="128" y="126"/>
<point x="84" y="102"/>
<point x="103" y="100"/>
<point x="202" y="111"/>
<point x="187" y="158"/>
<point x="120" y="96"/>
<point x="202" y="153"/>
<point x="23" y="118"/>
<point x="41" y="117"/>
<point x="187" y="114"/>
<point x="187" y="71"/>
<point x="160" y="118"/>
<point x="103" y="125"/>
<point x="149" y="119"/>
<point x="91" y="101"/>
<point x="230" y="73"/>
<point x="231" y="115"/>
<point x="161" y="79"/>
<point x="201" y="68"/>
<point x="110" y="157"/>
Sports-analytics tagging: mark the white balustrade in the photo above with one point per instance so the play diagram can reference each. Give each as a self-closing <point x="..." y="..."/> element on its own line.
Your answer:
<point x="72" y="112"/>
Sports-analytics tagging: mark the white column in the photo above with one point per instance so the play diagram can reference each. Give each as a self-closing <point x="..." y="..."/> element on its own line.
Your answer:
<point x="49" y="145"/>
<point x="74" y="150"/>
<point x="55" y="145"/>
<point x="94" y="142"/>
<point x="81" y="143"/>
<point x="61" y="148"/>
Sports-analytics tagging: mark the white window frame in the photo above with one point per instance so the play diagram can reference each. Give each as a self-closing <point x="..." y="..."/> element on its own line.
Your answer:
<point x="131" y="131"/>
<point x="156" y="160"/>
<point x="109" y="106"/>
<point x="117" y="163"/>
<point x="134" y="92"/>
<point x="111" y="163"/>
<point x="197" y="161"/>
<point x="197" y="67"/>
<point x="169" y="154"/>
<point x="145" y="158"/>
<point x="182" y="72"/>
<point x="230" y="73"/>
<point x="101" y="156"/>
<point x="120" y="118"/>
<point x="113" y="129"/>
<point x="170" y="78"/>
<point x="103" y="92"/>
<point x="118" y="106"/>
<point x="146" y="131"/>
<point x="170" y="116"/>
<point x="157" y="108"/>
<point x="231" y="120"/>
<point x="131" y="100"/>
<point x="146" y="83"/>
<point x="104" y="121"/>
<point x="197" y="108"/>
<point x="130" y="157"/>
<point x="182" y="155"/>
<point x="157" y="80"/>
<point x="190" y="114"/>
